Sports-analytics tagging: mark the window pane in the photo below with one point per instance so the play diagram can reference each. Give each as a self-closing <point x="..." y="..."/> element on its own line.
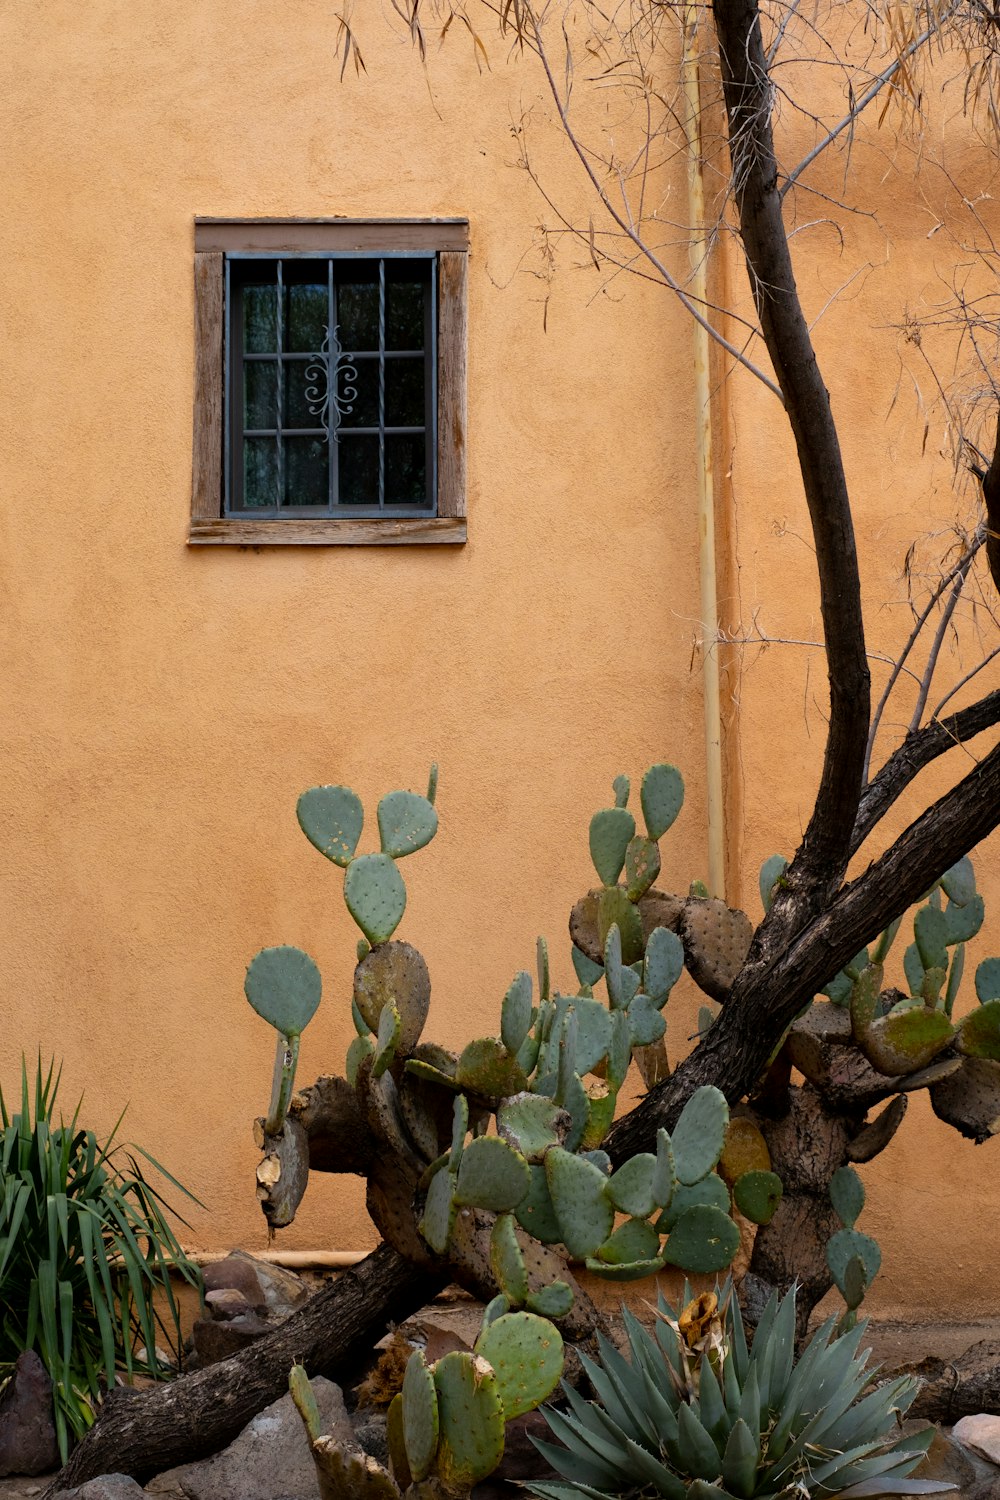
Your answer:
<point x="305" y="392"/>
<point x="260" y="319"/>
<point x="306" y="318"/>
<point x="357" y="314"/>
<point x="404" y="315"/>
<point x="360" y="394"/>
<point x="404" y="393"/>
<point x="260" y="393"/>
<point x="405" y="470"/>
<point x="358" y="460"/>
<point x="260" y="472"/>
<point x="307" y="471"/>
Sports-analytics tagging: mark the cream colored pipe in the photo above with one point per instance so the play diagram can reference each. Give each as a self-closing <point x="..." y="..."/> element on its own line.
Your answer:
<point x="292" y="1260"/>
<point x="709" y="608"/>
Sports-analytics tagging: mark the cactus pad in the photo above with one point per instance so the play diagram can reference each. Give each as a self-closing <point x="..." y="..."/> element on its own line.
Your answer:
<point x="526" y="1354"/>
<point x="552" y="1301"/>
<point x="585" y="1213"/>
<point x="969" y="1099"/>
<point x="531" y="1123"/>
<point x="757" y="1195"/>
<point x="471" y="1418"/>
<point x="959" y="883"/>
<point x="535" y="1212"/>
<point x="745" y="1150"/>
<point x="642" y="865"/>
<point x="963" y="922"/>
<point x="906" y="1039"/>
<point x="635" y="1240"/>
<point x="616" y="910"/>
<point x="663" y="964"/>
<point x="420" y="1416"/>
<point x="360" y="1048"/>
<point x="771" y="872"/>
<point x="406" y="822"/>
<point x="610" y="832"/>
<point x="716" y="939"/>
<point x="646" y="1024"/>
<point x="847" y="1194"/>
<point x="506" y="1260"/>
<point x="662" y="797"/>
<point x="621" y="787"/>
<point x="349" y="1474"/>
<point x="844" y="1247"/>
<point x="710" y="1192"/>
<point x="492" y="1175"/>
<point x="700" y="1134"/>
<point x="331" y="817"/>
<point x="515" y="1012"/>
<point x="930" y="930"/>
<point x="988" y="980"/>
<point x="284" y="987"/>
<point x="631" y="1189"/>
<point x="664" y="1177"/>
<point x="704" y="1239"/>
<point x="388" y="1039"/>
<point x="375" y="896"/>
<point x="397" y="972"/>
<point x="440" y="1209"/>
<point x="459" y="1130"/>
<point x="486" y="1067"/>
<point x="979" y="1032"/>
<point x="593" y="1031"/>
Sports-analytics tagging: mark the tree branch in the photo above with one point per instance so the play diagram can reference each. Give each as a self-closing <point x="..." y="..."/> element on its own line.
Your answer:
<point x="822" y="856"/>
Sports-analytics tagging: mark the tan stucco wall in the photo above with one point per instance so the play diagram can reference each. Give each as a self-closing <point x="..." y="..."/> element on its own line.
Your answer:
<point x="162" y="707"/>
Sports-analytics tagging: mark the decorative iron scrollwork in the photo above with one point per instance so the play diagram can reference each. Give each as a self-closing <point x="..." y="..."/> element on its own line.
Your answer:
<point x="327" y="398"/>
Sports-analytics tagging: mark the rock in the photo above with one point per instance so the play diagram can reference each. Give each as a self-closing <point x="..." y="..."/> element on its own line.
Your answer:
<point x="106" y="1487"/>
<point x="371" y="1437"/>
<point x="227" y="1303"/>
<point x="521" y="1459"/>
<point x="987" y="1489"/>
<point x="283" y="1290"/>
<point x="270" y="1457"/>
<point x="945" y="1460"/>
<point x="218" y="1340"/>
<point x="27" y="1432"/>
<point x="981" y="1433"/>
<point x="237" y="1274"/>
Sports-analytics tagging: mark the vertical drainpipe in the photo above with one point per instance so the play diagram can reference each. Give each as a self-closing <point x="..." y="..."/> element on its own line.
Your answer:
<point x="709" y="610"/>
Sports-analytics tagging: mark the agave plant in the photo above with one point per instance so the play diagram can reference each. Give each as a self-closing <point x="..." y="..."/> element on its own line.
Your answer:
<point x="697" y="1415"/>
<point x="85" y="1246"/>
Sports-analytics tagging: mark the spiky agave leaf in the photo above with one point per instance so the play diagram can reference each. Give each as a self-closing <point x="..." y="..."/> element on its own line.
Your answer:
<point x="697" y="1416"/>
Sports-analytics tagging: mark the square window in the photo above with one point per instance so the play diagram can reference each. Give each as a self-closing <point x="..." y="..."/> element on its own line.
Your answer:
<point x="330" y="382"/>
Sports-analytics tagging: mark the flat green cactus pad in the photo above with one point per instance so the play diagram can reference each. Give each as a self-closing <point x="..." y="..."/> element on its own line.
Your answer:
<point x="440" y="1209"/>
<point x="515" y="1012"/>
<point x="615" y="909"/>
<point x="284" y="987"/>
<point x="757" y="1195"/>
<point x="388" y="1040"/>
<point x="593" y="1031"/>
<point x="506" y="1260"/>
<point x="397" y="972"/>
<point x="635" y="1270"/>
<point x="642" y="865"/>
<point x="847" y="1194"/>
<point x="847" y="1245"/>
<point x="930" y="931"/>
<point x="406" y="822"/>
<point x="421" y="1069"/>
<point x="622" y="787"/>
<point x="700" y="1134"/>
<point x="583" y="1208"/>
<point x="486" y="1067"/>
<point x="420" y="1415"/>
<point x="959" y="883"/>
<point x="531" y="1123"/>
<point x="331" y="817"/>
<point x="610" y="832"/>
<point x="471" y="1417"/>
<point x="535" y="1212"/>
<point x="710" y="1192"/>
<point x="663" y="965"/>
<point x="631" y="1188"/>
<point x="988" y="980"/>
<point x="635" y="1240"/>
<point x="526" y="1353"/>
<point x="646" y="1023"/>
<point x="979" y="1032"/>
<point x="704" y="1239"/>
<point x="963" y="922"/>
<point x="360" y="1048"/>
<point x="906" y="1039"/>
<point x="552" y="1301"/>
<point x="771" y="872"/>
<point x="375" y="896"/>
<point x="492" y="1175"/>
<point x="585" y="969"/>
<point x="662" y="797"/>
<point x="665" y="1175"/>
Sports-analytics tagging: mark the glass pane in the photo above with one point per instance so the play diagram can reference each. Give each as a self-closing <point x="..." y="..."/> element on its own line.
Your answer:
<point x="260" y="472"/>
<point x="306" y="318"/>
<point x="307" y="471"/>
<point x="404" y="393"/>
<point x="358" y="461"/>
<point x="406" y="470"/>
<point x="404" y="315"/>
<point x="358" y="393"/>
<point x="357" y="314"/>
<point x="305" y="392"/>
<point x="260" y="319"/>
<point x="260" y="393"/>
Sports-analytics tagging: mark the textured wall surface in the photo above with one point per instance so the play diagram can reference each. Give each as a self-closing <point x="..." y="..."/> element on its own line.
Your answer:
<point x="161" y="707"/>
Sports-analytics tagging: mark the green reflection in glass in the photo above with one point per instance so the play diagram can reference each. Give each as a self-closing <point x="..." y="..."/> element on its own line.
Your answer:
<point x="357" y="314"/>
<point x="404" y="315"/>
<point x="260" y="393"/>
<point x="307" y="471"/>
<point x="260" y="472"/>
<point x="306" y="318"/>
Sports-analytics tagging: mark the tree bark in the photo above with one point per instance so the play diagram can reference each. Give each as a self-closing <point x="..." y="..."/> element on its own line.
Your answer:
<point x="144" y="1433"/>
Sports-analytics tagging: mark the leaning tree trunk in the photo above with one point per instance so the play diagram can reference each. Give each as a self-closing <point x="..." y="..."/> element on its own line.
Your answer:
<point x="196" y="1415"/>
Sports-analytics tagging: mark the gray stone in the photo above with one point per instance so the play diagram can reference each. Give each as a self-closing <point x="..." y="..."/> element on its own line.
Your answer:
<point x="944" y="1460"/>
<point x="106" y="1487"/>
<point x="270" y="1457"/>
<point x="236" y="1274"/>
<point x="371" y="1437"/>
<point x="227" y="1303"/>
<point x="283" y="1290"/>
<point x="981" y="1433"/>
<point x="215" y="1339"/>
<point x="27" y="1432"/>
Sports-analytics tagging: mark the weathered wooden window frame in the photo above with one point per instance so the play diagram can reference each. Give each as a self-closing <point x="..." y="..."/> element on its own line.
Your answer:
<point x="449" y="238"/>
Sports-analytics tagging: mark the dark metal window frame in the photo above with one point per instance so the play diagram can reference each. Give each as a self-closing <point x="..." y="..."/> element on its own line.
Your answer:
<point x="236" y="358"/>
<point x="446" y="242"/>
